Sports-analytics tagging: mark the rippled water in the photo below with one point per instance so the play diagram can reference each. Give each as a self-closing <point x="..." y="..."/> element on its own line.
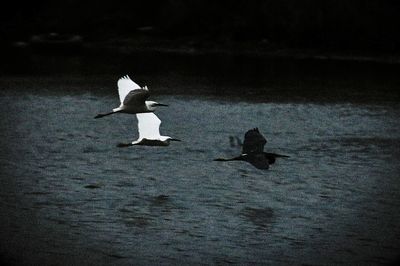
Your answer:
<point x="69" y="195"/>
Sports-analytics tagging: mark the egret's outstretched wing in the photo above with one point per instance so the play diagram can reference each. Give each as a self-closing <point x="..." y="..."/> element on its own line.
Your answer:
<point x="148" y="125"/>
<point x="253" y="142"/>
<point x="125" y="85"/>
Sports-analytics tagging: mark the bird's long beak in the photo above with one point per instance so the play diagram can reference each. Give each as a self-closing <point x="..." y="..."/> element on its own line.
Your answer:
<point x="281" y="155"/>
<point x="175" y="139"/>
<point x="160" y="104"/>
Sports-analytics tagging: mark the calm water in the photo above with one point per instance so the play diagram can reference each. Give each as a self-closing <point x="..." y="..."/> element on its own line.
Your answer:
<point x="69" y="195"/>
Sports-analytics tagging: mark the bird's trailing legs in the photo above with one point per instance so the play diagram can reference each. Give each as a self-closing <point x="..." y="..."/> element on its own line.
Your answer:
<point x="238" y="158"/>
<point x="122" y="145"/>
<point x="101" y="115"/>
<point x="277" y="155"/>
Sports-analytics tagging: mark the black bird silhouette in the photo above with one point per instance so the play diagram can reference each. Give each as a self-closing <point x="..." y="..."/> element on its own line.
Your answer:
<point x="253" y="151"/>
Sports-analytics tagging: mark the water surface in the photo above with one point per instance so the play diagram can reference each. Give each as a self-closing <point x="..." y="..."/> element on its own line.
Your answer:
<point x="69" y="195"/>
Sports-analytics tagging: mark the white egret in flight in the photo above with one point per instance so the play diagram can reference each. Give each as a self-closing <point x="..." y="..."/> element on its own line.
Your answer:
<point x="253" y="151"/>
<point x="149" y="132"/>
<point x="133" y="99"/>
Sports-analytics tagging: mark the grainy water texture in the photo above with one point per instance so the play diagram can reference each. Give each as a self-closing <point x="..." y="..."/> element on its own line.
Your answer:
<point x="70" y="196"/>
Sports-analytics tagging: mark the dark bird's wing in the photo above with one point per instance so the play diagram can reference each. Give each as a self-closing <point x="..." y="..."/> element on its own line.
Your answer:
<point x="253" y="142"/>
<point x="259" y="161"/>
<point x="271" y="157"/>
<point x="136" y="97"/>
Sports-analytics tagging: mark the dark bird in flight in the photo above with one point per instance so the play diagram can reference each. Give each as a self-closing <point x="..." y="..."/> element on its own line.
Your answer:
<point x="253" y="151"/>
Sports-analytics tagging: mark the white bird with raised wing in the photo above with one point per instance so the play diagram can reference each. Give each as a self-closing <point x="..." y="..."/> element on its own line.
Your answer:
<point x="149" y="132"/>
<point x="133" y="98"/>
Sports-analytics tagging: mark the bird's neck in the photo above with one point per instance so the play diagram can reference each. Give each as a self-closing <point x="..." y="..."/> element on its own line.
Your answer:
<point x="150" y="106"/>
<point x="164" y="138"/>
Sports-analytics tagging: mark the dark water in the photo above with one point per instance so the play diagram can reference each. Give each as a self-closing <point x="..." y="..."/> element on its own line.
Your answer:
<point x="68" y="195"/>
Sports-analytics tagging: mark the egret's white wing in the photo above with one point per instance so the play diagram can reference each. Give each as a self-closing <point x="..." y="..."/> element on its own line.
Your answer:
<point x="125" y="85"/>
<point x="148" y="125"/>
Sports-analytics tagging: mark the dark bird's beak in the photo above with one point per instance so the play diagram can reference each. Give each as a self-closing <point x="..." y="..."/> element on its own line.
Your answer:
<point x="175" y="139"/>
<point x="281" y="155"/>
<point x="160" y="104"/>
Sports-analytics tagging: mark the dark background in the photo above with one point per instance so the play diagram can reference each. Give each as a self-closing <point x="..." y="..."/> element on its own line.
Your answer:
<point x="350" y="30"/>
<point x="366" y="26"/>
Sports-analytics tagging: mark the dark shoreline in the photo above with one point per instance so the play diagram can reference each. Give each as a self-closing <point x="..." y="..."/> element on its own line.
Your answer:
<point x="129" y="46"/>
<point x="194" y="46"/>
